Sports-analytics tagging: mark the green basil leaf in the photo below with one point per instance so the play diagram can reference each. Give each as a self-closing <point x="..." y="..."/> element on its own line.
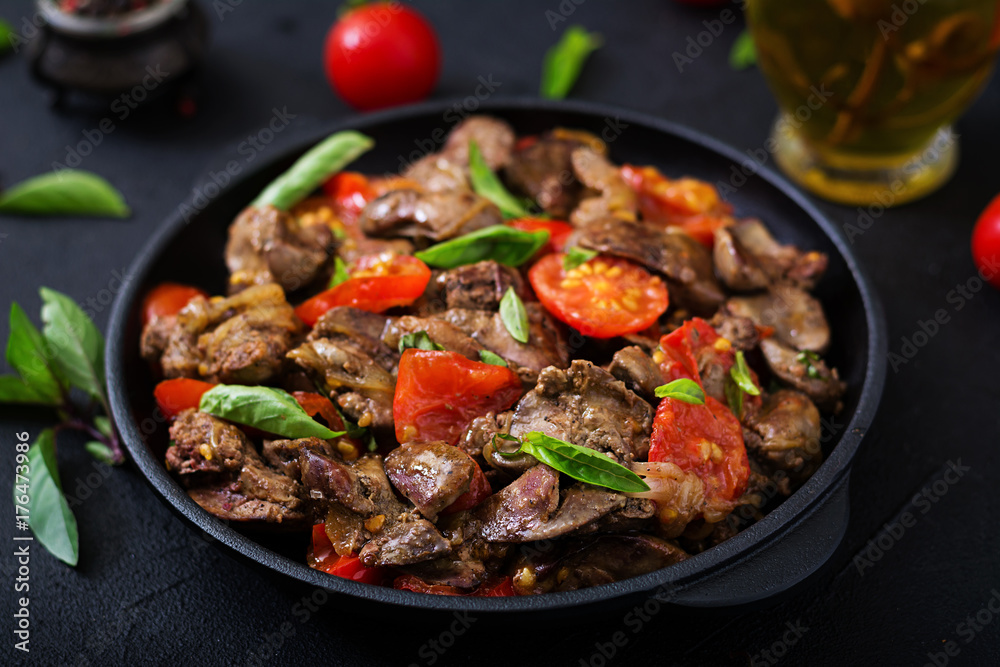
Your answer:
<point x="504" y="245"/>
<point x="488" y="357"/>
<point x="340" y="273"/>
<point x="564" y="61"/>
<point x="514" y="316"/>
<point x="508" y="437"/>
<point x="77" y="345"/>
<point x="31" y="357"/>
<point x="486" y="184"/>
<point x="419" y="340"/>
<point x="734" y="396"/>
<point x="741" y="374"/>
<point x="684" y="390"/>
<point x="49" y="516"/>
<point x="64" y="192"/>
<point x="577" y="256"/>
<point x="265" y="408"/>
<point x="101" y="452"/>
<point x="6" y="32"/>
<point x="309" y="171"/>
<point x="743" y="53"/>
<point x="14" y="390"/>
<point x="103" y="425"/>
<point x="582" y="463"/>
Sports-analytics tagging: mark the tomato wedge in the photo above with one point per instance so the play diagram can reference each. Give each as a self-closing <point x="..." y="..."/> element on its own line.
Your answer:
<point x="439" y="393"/>
<point x="177" y="395"/>
<point x="558" y="231"/>
<point x="691" y="204"/>
<point x="168" y="299"/>
<point x="479" y="490"/>
<point x="488" y="589"/>
<point x="316" y="404"/>
<point x="350" y="192"/>
<point x="377" y="283"/>
<point x="323" y="557"/>
<point x="603" y="298"/>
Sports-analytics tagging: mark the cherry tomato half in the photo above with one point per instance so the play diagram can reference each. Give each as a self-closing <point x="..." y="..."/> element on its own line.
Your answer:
<point x="168" y="299"/>
<point x="986" y="243"/>
<point x="558" y="232"/>
<point x="381" y="55"/>
<point x="323" y="557"/>
<point x="439" y="393"/>
<point x="350" y="192"/>
<point x="377" y="283"/>
<point x="691" y="204"/>
<point x="603" y="298"/>
<point x="177" y="395"/>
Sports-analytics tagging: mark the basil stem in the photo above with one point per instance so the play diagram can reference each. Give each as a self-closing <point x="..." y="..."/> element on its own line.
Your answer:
<point x="265" y="408"/>
<point x="580" y="463"/>
<point x="64" y="192"/>
<point x="741" y="375"/>
<point x="684" y="390"/>
<point x="503" y="244"/>
<point x="486" y="184"/>
<point x="514" y="316"/>
<point x="309" y="171"/>
<point x="564" y="61"/>
<point x="488" y="357"/>
<point x="418" y="340"/>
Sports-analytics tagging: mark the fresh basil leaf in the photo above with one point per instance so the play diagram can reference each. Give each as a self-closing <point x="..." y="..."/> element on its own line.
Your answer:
<point x="31" y="357"/>
<point x="582" y="463"/>
<point x="741" y="375"/>
<point x="743" y="53"/>
<point x="486" y="184"/>
<point x="101" y="452"/>
<point x="49" y="516"/>
<point x="265" y="408"/>
<point x="418" y="340"/>
<point x="488" y="357"/>
<point x="103" y="425"/>
<point x="577" y="256"/>
<point x="77" y="345"/>
<point x="6" y="32"/>
<point x="514" y="316"/>
<point x="504" y="245"/>
<point x="564" y="61"/>
<point x="64" y="192"/>
<point x="340" y="273"/>
<point x="684" y="390"/>
<point x="14" y="390"/>
<point x="309" y="171"/>
<point x="734" y="397"/>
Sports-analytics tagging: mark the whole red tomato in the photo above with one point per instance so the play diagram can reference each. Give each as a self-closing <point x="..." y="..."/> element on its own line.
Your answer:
<point x="986" y="243"/>
<point x="382" y="55"/>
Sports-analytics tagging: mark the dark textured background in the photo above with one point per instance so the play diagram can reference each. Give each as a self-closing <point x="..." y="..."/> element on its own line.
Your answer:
<point x="148" y="590"/>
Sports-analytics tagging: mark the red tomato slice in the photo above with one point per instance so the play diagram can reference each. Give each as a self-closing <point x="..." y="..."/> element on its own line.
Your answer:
<point x="986" y="237"/>
<point x="377" y="283"/>
<point x="707" y="440"/>
<point x="603" y="298"/>
<point x="323" y="557"/>
<point x="558" y="232"/>
<point x="168" y="299"/>
<point x="488" y="589"/>
<point x="439" y="393"/>
<point x="177" y="395"/>
<point x="349" y="190"/>
<point x="479" y="490"/>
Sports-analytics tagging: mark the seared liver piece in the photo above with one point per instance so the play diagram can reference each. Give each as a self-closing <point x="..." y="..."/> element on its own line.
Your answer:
<point x="431" y="475"/>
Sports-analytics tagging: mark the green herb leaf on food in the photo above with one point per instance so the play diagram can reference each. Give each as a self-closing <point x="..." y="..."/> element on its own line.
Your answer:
<point x="77" y="345"/>
<point x="514" y="316"/>
<point x="340" y="273"/>
<point x="30" y="355"/>
<point x="486" y="184"/>
<point x="743" y="53"/>
<point x="682" y="389"/>
<point x="49" y="515"/>
<point x="734" y="397"/>
<point x="265" y="408"/>
<point x="64" y="192"/>
<point x="741" y="375"/>
<point x="581" y="463"/>
<point x="492" y="358"/>
<point x="564" y="61"/>
<point x="577" y="256"/>
<point x="418" y="340"/>
<point x="504" y="245"/>
<point x="309" y="171"/>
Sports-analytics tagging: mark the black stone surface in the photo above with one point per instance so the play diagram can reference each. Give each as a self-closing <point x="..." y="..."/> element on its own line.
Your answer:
<point x="148" y="590"/>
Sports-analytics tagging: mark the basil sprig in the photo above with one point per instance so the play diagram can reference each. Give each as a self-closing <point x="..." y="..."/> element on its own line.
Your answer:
<point x="265" y="408"/>
<point x="486" y="184"/>
<point x="514" y="316"/>
<point x="684" y="390"/>
<point x="577" y="256"/>
<point x="309" y="171"/>
<point x="564" y="61"/>
<point x="504" y="245"/>
<point x="580" y="463"/>
<point x="418" y="340"/>
<point x="492" y="358"/>
<point x="64" y="192"/>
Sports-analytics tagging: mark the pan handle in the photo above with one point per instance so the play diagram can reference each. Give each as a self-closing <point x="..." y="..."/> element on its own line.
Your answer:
<point x="782" y="564"/>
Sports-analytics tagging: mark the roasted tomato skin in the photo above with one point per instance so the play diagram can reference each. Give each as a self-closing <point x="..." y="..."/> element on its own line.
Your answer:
<point x="376" y="284"/>
<point x="602" y="298"/>
<point x="322" y="557"/>
<point x="986" y="243"/>
<point x="168" y="299"/>
<point x="439" y="393"/>
<point x="179" y="394"/>
<point x="559" y="232"/>
<point x="688" y="203"/>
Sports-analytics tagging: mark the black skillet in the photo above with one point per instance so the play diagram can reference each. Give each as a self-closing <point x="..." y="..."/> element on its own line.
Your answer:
<point x="767" y="558"/>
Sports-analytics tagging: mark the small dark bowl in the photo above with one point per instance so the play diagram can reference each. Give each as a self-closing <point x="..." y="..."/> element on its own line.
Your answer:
<point x="767" y="558"/>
